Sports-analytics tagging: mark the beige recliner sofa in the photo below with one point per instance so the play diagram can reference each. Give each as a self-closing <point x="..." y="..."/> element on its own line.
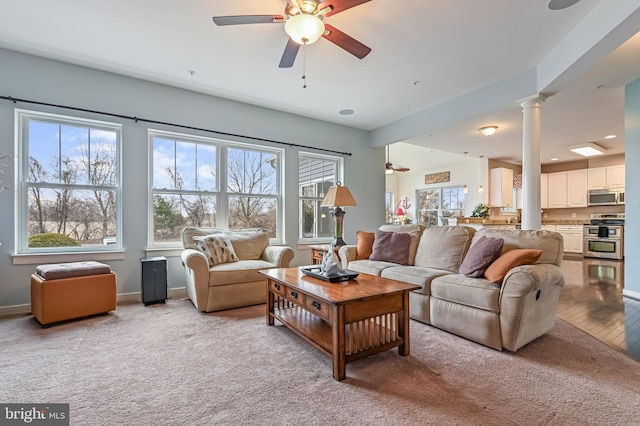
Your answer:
<point x="234" y="284"/>
<point x="507" y="315"/>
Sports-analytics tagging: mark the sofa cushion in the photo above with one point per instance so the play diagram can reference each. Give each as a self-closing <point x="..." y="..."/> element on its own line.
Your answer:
<point x="550" y="242"/>
<point x="238" y="272"/>
<point x="414" y="275"/>
<point x="365" y="244"/>
<point x="480" y="255"/>
<point x="412" y="229"/>
<point x="371" y="267"/>
<point x="444" y="247"/>
<point x="509" y="260"/>
<point x="391" y="247"/>
<point x="474" y="292"/>
<point x="217" y="248"/>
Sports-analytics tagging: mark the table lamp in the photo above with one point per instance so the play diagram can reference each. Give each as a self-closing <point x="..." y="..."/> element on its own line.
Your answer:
<point x="338" y="196"/>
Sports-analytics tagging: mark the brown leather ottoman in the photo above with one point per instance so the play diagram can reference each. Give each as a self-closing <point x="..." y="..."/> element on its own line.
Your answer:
<point x="65" y="291"/>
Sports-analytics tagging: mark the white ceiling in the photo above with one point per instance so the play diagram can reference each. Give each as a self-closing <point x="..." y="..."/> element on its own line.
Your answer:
<point x="425" y="53"/>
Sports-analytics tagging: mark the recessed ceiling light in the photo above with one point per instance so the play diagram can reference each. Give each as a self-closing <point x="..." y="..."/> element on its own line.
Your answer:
<point x="587" y="149"/>
<point x="554" y="159"/>
<point x="610" y="136"/>
<point x="561" y="4"/>
<point x="345" y="112"/>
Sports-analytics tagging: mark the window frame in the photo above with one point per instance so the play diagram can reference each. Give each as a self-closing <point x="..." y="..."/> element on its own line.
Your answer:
<point x="22" y="120"/>
<point x="221" y="193"/>
<point x="338" y="177"/>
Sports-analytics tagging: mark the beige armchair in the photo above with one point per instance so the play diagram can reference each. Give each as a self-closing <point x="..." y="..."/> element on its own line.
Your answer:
<point x="234" y="284"/>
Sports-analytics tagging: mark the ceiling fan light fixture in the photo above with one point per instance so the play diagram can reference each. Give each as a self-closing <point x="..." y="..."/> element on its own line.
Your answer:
<point x="488" y="130"/>
<point x="304" y="28"/>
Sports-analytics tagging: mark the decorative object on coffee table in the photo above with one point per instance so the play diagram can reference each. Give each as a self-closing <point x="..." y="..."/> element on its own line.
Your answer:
<point x="338" y="196"/>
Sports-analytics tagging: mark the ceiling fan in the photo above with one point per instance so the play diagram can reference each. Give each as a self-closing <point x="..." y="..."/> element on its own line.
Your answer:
<point x="389" y="168"/>
<point x="304" y="24"/>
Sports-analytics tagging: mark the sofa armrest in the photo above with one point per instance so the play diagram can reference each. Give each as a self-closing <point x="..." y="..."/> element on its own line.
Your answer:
<point x="528" y="303"/>
<point x="197" y="270"/>
<point x="347" y="253"/>
<point x="525" y="279"/>
<point x="278" y="255"/>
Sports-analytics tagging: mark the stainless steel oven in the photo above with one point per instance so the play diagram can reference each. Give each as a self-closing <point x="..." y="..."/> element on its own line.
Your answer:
<point x="604" y="236"/>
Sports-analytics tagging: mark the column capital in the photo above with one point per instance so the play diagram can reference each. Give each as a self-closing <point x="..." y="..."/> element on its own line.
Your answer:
<point x="532" y="101"/>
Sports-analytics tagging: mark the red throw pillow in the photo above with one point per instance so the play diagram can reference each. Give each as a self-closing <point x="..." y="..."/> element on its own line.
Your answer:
<point x="391" y="247"/>
<point x="516" y="257"/>
<point x="364" y="246"/>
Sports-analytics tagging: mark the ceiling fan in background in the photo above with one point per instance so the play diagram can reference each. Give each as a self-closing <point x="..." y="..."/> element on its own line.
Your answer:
<point x="303" y="22"/>
<point x="389" y="168"/>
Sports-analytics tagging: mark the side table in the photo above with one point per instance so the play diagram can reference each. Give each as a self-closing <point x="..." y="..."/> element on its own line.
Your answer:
<point x="318" y="252"/>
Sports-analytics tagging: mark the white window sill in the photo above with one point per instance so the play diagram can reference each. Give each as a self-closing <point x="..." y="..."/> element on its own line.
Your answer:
<point x="36" y="259"/>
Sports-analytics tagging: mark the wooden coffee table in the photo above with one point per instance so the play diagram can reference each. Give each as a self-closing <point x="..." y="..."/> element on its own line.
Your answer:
<point x="346" y="321"/>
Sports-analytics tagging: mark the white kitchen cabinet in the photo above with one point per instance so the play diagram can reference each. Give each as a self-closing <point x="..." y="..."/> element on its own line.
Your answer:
<point x="500" y="187"/>
<point x="567" y="189"/>
<point x="606" y="177"/>
<point x="573" y="237"/>
<point x="544" y="190"/>
<point x="577" y="188"/>
<point x="557" y="190"/>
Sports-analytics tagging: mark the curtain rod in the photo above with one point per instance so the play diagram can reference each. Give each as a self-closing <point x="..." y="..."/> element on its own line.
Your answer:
<point x="181" y="126"/>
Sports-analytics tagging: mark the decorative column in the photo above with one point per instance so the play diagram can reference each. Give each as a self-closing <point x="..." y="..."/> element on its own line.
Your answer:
<point x="531" y="123"/>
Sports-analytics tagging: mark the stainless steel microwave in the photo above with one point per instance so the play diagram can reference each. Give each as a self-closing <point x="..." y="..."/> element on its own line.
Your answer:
<point x="606" y="197"/>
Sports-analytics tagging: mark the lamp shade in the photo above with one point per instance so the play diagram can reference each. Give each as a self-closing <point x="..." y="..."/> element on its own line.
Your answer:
<point x="304" y="28"/>
<point x="339" y="196"/>
<point x="399" y="212"/>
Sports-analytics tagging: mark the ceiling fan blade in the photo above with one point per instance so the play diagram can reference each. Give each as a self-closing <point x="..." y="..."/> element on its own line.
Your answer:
<point x="289" y="54"/>
<point x="247" y="19"/>
<point x="338" y="6"/>
<point x="346" y="42"/>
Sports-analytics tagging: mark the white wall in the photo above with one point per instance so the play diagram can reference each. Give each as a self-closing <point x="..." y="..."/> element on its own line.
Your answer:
<point x="632" y="189"/>
<point x="29" y="77"/>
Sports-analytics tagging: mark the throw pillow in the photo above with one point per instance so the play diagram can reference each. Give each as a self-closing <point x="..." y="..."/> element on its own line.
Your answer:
<point x="482" y="254"/>
<point x="516" y="257"/>
<point x="391" y="247"/>
<point x="365" y="244"/>
<point x="217" y="248"/>
<point x="412" y="229"/>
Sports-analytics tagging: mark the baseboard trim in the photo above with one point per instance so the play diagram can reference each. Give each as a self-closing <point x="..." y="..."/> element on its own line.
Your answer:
<point x="631" y="294"/>
<point x="174" y="293"/>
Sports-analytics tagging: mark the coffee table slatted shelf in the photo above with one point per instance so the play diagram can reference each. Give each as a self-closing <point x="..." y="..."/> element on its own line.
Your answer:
<point x="362" y="338"/>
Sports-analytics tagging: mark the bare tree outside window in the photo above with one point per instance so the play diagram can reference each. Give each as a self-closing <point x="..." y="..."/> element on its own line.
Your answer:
<point x="189" y="190"/>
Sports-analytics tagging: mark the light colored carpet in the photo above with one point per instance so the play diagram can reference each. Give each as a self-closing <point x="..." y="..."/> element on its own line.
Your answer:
<point x="170" y="365"/>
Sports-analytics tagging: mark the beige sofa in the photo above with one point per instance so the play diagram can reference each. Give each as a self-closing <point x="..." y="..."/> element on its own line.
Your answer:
<point x="233" y="284"/>
<point x="506" y="316"/>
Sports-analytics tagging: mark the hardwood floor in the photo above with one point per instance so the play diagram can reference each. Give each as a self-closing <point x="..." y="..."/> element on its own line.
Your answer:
<point x="592" y="301"/>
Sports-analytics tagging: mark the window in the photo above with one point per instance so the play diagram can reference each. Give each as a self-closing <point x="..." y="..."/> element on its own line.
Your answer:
<point x="389" y="208"/>
<point x="316" y="174"/>
<point x="211" y="183"/>
<point x="438" y="206"/>
<point x="69" y="176"/>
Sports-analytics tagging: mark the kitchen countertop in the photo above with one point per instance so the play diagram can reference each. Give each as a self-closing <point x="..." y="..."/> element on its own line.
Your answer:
<point x="489" y="221"/>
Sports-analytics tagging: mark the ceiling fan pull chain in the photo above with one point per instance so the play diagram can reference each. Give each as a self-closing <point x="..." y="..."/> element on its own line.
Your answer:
<point x="304" y="66"/>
